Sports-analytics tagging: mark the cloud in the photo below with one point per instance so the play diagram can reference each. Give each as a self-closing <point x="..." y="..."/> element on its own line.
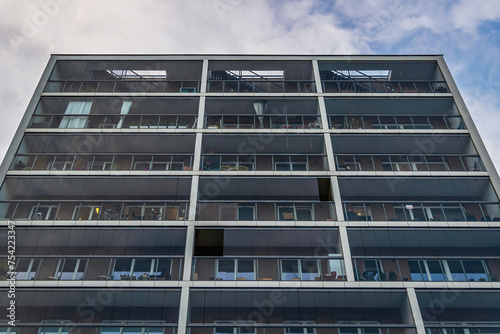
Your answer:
<point x="31" y="30"/>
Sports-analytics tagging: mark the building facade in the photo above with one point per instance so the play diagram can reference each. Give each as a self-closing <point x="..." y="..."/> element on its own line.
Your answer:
<point x="220" y="194"/>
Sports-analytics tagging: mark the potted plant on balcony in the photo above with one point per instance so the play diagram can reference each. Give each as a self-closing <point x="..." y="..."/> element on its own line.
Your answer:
<point x="392" y="276"/>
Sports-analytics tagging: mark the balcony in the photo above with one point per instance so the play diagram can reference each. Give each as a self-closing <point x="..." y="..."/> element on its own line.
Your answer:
<point x="298" y="327"/>
<point x="261" y="86"/>
<point x="421" y="211"/>
<point x="374" y="86"/>
<point x="409" y="163"/>
<point x="427" y="269"/>
<point x="229" y="162"/>
<point x="228" y="121"/>
<point x="268" y="269"/>
<point x="112" y="121"/>
<point x="95" y="211"/>
<point x="396" y="122"/>
<point x="266" y="210"/>
<point x="68" y="162"/>
<point x="250" y="76"/>
<point x="96" y="268"/>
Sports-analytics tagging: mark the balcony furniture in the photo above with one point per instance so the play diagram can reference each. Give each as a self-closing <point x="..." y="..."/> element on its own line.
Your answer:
<point x="241" y="278"/>
<point x="127" y="278"/>
<point x="165" y="277"/>
<point x="288" y="216"/>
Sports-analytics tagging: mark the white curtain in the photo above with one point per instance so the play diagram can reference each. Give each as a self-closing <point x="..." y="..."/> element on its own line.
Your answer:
<point x="260" y="107"/>
<point x="125" y="109"/>
<point x="76" y="108"/>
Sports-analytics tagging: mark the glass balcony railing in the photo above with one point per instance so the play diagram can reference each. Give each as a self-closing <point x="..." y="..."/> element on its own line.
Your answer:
<point x="55" y="210"/>
<point x="98" y="268"/>
<point x="261" y="86"/>
<point x="429" y="270"/>
<point x="123" y="86"/>
<point x="459" y="329"/>
<point x="268" y="269"/>
<point x="396" y="122"/>
<point x="409" y="163"/>
<point x="422" y="211"/>
<point x="113" y="122"/>
<point x="262" y="122"/>
<point x="286" y="211"/>
<point x="160" y="329"/>
<point x="298" y="327"/>
<point x="70" y="162"/>
<point x="379" y="86"/>
<point x="264" y="162"/>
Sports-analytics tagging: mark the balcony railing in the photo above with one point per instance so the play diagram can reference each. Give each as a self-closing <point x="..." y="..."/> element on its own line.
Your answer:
<point x="162" y="328"/>
<point x="430" y="269"/>
<point x="177" y="162"/>
<point x="231" y="162"/>
<point x="375" y="86"/>
<point x="421" y="211"/>
<point x="298" y="327"/>
<point x="55" y="210"/>
<point x="268" y="269"/>
<point x="459" y="329"/>
<point x="123" y="86"/>
<point x="266" y="86"/>
<point x="113" y="122"/>
<point x="396" y="122"/>
<point x="262" y="122"/>
<point x="413" y="163"/>
<point x="98" y="268"/>
<point x="286" y="211"/>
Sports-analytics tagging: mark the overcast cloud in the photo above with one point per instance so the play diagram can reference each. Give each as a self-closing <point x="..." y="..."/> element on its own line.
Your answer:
<point x="466" y="32"/>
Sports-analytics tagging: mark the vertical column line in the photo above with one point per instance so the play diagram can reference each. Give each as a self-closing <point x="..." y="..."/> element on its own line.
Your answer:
<point x="339" y="211"/>
<point x="193" y="198"/>
<point x="204" y="76"/>
<point x="346" y="253"/>
<point x="329" y="152"/>
<point x="317" y="77"/>
<point x="197" y="152"/>
<point x="415" y="310"/>
<point x="183" y="311"/>
<point x="322" y="113"/>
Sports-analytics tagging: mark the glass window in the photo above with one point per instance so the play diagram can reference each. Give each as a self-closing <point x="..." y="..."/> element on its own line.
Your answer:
<point x="475" y="270"/>
<point x="417" y="271"/>
<point x="290" y="270"/>
<point x="309" y="269"/>
<point x="53" y="330"/>
<point x="225" y="270"/>
<point x="436" y="271"/>
<point x="122" y="269"/>
<point x="245" y="270"/>
<point x="70" y="269"/>
<point x="246" y="213"/>
<point x="456" y="271"/>
<point x="27" y="268"/>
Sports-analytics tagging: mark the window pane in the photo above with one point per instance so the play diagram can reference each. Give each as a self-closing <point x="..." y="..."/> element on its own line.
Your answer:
<point x="246" y="270"/>
<point x="309" y="270"/>
<point x="475" y="270"/>
<point x="289" y="270"/>
<point x="226" y="270"/>
<point x="436" y="271"/>
<point x="456" y="270"/>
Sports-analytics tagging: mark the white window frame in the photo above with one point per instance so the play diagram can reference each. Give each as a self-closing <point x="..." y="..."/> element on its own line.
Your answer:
<point x="60" y="265"/>
<point x="35" y="208"/>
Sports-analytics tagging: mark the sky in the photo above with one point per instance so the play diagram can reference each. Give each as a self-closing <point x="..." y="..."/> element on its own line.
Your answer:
<point x="466" y="32"/>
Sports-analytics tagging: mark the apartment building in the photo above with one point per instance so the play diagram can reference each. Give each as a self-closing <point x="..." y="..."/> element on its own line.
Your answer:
<point x="236" y="194"/>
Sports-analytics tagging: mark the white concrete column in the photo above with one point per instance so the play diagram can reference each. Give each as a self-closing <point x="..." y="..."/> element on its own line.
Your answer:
<point x="322" y="113"/>
<point x="329" y="152"/>
<point x="339" y="211"/>
<point x="415" y="310"/>
<point x="193" y="198"/>
<point x="317" y="77"/>
<point x="201" y="113"/>
<point x="183" y="311"/>
<point x="204" y="76"/>
<point x="346" y="253"/>
<point x="188" y="254"/>
<point x="197" y="152"/>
